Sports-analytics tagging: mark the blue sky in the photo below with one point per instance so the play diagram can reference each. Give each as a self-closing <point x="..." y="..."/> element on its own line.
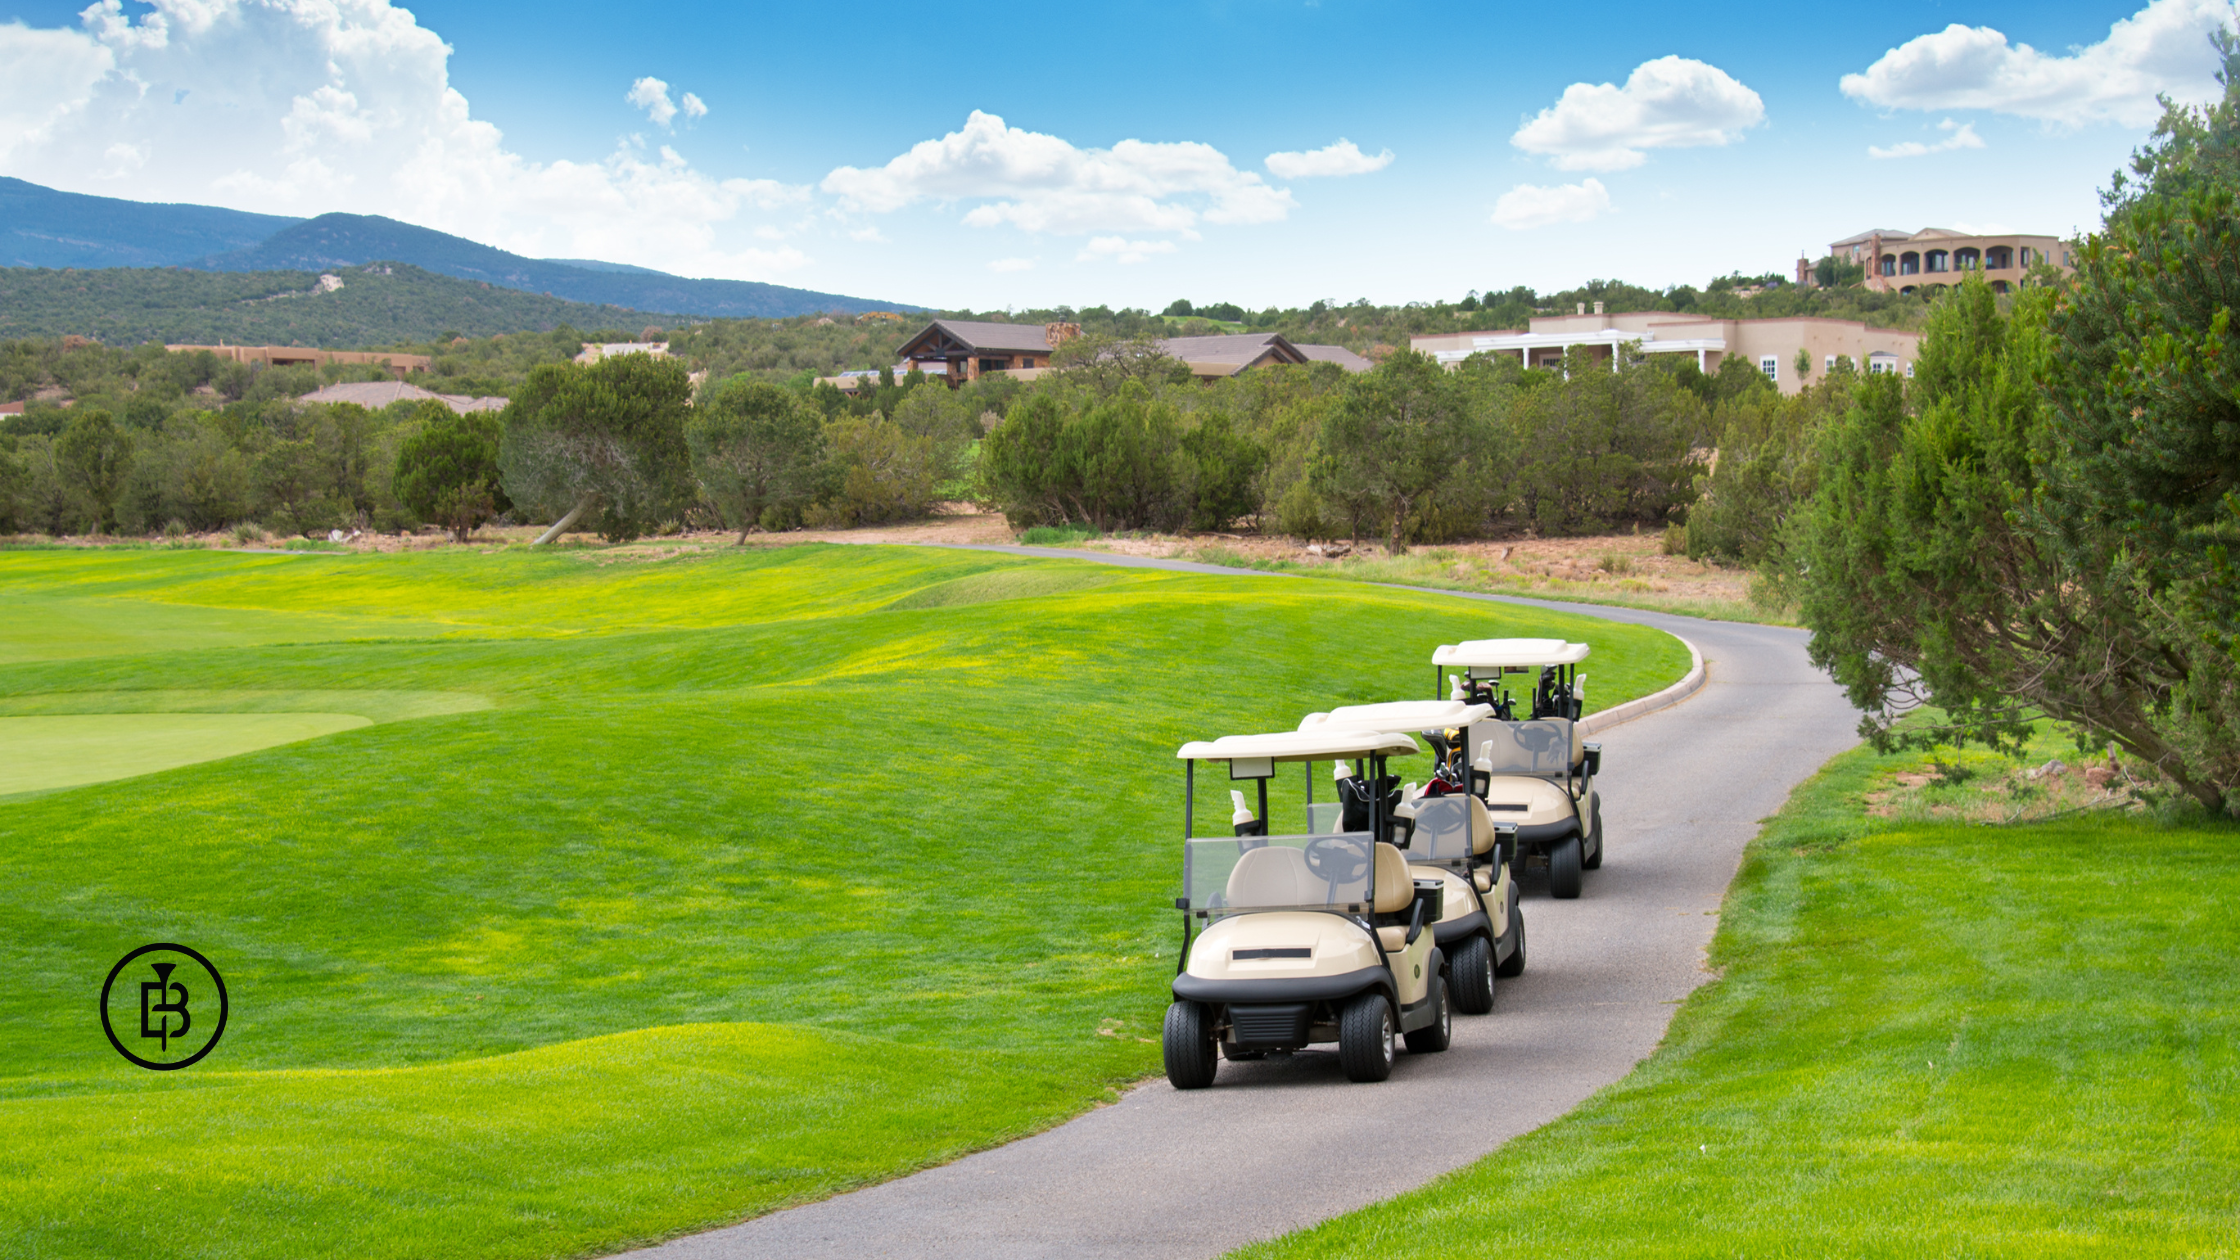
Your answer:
<point x="1141" y="153"/>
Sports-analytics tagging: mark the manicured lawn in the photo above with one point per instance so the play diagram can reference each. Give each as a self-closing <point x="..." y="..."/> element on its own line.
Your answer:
<point x="1931" y="1039"/>
<point x="653" y="894"/>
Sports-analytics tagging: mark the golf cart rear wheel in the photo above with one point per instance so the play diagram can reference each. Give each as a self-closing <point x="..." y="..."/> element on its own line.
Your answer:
<point x="1563" y="869"/>
<point x="1594" y="854"/>
<point x="1439" y="1033"/>
<point x="1365" y="1037"/>
<point x="1472" y="969"/>
<point x="1188" y="1043"/>
<point x="1513" y="966"/>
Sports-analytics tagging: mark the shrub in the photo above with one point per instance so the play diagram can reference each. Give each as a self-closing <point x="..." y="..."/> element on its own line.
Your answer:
<point x="248" y="532"/>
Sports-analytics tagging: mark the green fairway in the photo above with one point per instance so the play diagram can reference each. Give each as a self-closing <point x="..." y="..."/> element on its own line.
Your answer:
<point x="641" y="895"/>
<point x="65" y="751"/>
<point x="1930" y="1039"/>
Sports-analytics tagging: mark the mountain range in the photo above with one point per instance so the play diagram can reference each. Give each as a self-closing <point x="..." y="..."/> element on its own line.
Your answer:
<point x="45" y="227"/>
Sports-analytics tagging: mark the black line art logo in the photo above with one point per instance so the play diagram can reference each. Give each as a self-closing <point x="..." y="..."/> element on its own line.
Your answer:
<point x="182" y="1007"/>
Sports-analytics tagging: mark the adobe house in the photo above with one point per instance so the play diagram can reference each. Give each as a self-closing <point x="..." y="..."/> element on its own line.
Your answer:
<point x="959" y="350"/>
<point x="1906" y="261"/>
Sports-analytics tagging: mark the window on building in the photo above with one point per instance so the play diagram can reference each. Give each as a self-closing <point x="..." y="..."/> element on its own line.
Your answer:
<point x="1998" y="258"/>
<point x="1771" y="366"/>
<point x="1877" y="364"/>
<point x="1889" y="264"/>
<point x="1909" y="264"/>
<point x="2024" y="253"/>
<point x="1935" y="260"/>
<point x="1830" y="365"/>
<point x="1909" y="371"/>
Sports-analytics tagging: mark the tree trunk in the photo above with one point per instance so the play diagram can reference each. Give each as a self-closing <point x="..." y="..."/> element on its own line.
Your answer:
<point x="560" y="526"/>
<point x="1397" y="545"/>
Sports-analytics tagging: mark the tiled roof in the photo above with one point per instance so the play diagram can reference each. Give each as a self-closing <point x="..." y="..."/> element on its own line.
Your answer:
<point x="375" y="395"/>
<point x="981" y="335"/>
<point x="1339" y="355"/>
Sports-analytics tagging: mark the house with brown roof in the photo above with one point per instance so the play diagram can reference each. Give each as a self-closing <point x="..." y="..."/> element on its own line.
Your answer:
<point x="375" y="395"/>
<point x="961" y="349"/>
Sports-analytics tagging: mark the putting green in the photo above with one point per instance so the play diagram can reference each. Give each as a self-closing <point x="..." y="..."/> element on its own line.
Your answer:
<point x="42" y="753"/>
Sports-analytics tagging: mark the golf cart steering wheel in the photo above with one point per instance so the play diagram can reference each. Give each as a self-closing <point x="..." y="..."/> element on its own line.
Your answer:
<point x="1338" y="859"/>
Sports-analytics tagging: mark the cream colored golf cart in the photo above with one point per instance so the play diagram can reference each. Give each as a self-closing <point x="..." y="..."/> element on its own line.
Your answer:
<point x="1447" y="834"/>
<point x="1290" y="940"/>
<point x="1528" y="761"/>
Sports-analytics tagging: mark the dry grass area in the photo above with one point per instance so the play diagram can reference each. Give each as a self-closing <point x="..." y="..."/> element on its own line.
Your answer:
<point x="1623" y="569"/>
<point x="1986" y="787"/>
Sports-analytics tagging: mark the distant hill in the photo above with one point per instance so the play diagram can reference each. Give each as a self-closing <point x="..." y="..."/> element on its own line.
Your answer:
<point x="44" y="227"/>
<point x="41" y="227"/>
<point x="338" y="240"/>
<point x="380" y="306"/>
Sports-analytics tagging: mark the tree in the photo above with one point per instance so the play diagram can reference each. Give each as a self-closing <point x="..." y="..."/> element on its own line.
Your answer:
<point x="608" y="436"/>
<point x="1102" y="364"/>
<point x="1399" y="433"/>
<point x="448" y="471"/>
<point x="94" y="457"/>
<point x="757" y="449"/>
<point x="1226" y="469"/>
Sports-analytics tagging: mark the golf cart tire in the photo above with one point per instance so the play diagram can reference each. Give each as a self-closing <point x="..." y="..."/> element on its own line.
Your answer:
<point x="1511" y="965"/>
<point x="1594" y="854"/>
<point x="1471" y="965"/>
<point x="1563" y="870"/>
<point x="1367" y="1030"/>
<point x="1439" y="1033"/>
<point x="1188" y="1044"/>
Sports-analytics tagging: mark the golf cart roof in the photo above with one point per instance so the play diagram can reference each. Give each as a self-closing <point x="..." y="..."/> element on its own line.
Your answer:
<point x="1399" y="715"/>
<point x="1502" y="653"/>
<point x="1320" y="744"/>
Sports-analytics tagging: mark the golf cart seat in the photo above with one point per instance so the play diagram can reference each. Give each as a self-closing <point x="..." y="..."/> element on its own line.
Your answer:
<point x="1396" y="890"/>
<point x="1276" y="876"/>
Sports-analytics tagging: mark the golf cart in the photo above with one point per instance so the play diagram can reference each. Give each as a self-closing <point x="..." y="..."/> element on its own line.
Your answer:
<point x="1293" y="940"/>
<point x="1528" y="761"/>
<point x="1445" y="833"/>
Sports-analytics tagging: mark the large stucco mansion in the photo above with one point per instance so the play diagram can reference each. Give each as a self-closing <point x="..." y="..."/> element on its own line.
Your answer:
<point x="1903" y="262"/>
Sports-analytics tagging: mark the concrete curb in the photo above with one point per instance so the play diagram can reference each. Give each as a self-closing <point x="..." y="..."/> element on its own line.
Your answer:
<point x="1689" y="684"/>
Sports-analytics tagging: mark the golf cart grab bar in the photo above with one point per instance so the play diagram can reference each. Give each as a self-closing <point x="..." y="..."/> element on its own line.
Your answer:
<point x="1415" y="926"/>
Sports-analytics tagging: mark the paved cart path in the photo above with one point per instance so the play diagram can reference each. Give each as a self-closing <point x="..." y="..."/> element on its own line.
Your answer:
<point x="1274" y="1146"/>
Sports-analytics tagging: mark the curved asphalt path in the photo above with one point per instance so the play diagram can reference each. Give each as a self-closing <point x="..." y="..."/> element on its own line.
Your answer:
<point x="1169" y="1174"/>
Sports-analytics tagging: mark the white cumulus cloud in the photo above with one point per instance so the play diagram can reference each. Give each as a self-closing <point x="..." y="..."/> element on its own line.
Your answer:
<point x="344" y="105"/>
<point x="1530" y="206"/>
<point x="1669" y="103"/>
<point x="1121" y="249"/>
<point x="652" y="96"/>
<point x="2161" y="48"/>
<point x="1342" y="158"/>
<point x="1962" y="136"/>
<point x="1040" y="183"/>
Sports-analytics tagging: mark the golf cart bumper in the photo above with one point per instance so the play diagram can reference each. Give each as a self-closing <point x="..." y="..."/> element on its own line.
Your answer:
<point x="1541" y="835"/>
<point x="1469" y="925"/>
<point x="1281" y="989"/>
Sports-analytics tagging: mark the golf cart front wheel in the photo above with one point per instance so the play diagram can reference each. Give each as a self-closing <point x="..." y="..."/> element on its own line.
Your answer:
<point x="1563" y="869"/>
<point x="1439" y="1033"/>
<point x="1188" y="1043"/>
<point x="1513" y="966"/>
<point x="1472" y="969"/>
<point x="1365" y="1037"/>
<point x="1594" y="851"/>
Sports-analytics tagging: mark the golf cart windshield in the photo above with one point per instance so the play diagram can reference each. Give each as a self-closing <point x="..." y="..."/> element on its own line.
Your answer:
<point x="1442" y="830"/>
<point x="1227" y="875"/>
<point x="1538" y="747"/>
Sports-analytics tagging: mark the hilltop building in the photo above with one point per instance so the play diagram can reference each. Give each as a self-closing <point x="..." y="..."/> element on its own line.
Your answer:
<point x="1770" y="345"/>
<point x="594" y="351"/>
<point x="1905" y="262"/>
<point x="298" y="356"/>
